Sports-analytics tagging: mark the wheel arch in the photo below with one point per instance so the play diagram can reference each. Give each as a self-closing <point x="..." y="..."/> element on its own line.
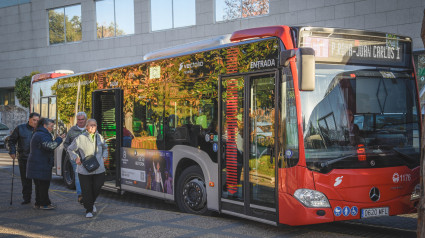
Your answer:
<point x="186" y="156"/>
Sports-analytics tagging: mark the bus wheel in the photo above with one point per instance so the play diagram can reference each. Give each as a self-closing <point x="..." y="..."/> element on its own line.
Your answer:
<point x="68" y="173"/>
<point x="191" y="194"/>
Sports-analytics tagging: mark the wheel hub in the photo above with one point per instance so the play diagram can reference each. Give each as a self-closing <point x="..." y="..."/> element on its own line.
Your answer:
<point x="194" y="194"/>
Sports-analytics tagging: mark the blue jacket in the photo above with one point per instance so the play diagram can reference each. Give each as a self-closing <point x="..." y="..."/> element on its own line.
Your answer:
<point x="21" y="138"/>
<point x="40" y="160"/>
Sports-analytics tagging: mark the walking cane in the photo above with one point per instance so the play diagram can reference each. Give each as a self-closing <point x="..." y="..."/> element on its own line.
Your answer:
<point x="13" y="175"/>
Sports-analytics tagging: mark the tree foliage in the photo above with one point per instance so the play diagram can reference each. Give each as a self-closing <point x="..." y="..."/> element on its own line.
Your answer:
<point x="72" y="90"/>
<point x="22" y="89"/>
<point x="245" y="8"/>
<point x="57" y="29"/>
<point x="104" y="31"/>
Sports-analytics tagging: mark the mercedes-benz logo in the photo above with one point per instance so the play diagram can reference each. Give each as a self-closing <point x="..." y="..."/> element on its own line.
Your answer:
<point x="374" y="194"/>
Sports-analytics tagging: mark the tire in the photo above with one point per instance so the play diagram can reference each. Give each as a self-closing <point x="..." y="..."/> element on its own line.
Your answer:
<point x="68" y="173"/>
<point x="191" y="194"/>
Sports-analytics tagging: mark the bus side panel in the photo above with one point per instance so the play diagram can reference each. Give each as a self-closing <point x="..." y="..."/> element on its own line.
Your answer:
<point x="179" y="153"/>
<point x="58" y="160"/>
<point x="209" y="169"/>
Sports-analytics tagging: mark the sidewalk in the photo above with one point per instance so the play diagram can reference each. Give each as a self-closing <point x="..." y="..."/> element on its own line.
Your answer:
<point x="132" y="215"/>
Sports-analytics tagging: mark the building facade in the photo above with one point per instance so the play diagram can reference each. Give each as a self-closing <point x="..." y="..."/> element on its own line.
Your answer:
<point x="85" y="35"/>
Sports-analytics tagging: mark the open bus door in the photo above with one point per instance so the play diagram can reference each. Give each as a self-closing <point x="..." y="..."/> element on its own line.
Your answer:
<point x="248" y="166"/>
<point x="107" y="110"/>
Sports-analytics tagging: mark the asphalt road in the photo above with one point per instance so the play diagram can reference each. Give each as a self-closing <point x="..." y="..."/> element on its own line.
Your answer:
<point x="132" y="215"/>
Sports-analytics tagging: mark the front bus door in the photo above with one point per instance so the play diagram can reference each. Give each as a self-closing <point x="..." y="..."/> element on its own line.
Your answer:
<point x="248" y="135"/>
<point x="107" y="110"/>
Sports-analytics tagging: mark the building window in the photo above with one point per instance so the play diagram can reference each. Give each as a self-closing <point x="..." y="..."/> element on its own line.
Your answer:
<point x="114" y="18"/>
<point x="7" y="97"/>
<point x="13" y="3"/>
<point x="226" y="10"/>
<point x="167" y="14"/>
<point x="65" y="24"/>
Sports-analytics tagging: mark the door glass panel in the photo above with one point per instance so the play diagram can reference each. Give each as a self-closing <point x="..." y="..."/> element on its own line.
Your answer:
<point x="45" y="107"/>
<point x="262" y="132"/>
<point x="232" y="138"/>
<point x="52" y="108"/>
<point x="107" y="127"/>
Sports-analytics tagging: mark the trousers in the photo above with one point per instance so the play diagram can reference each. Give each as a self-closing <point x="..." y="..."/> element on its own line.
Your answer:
<point x="90" y="188"/>
<point x="26" y="182"/>
<point x="42" y="192"/>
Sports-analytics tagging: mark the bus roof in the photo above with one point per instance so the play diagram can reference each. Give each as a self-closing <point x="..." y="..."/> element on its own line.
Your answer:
<point x="221" y="41"/>
<point x="50" y="75"/>
<point x="192" y="46"/>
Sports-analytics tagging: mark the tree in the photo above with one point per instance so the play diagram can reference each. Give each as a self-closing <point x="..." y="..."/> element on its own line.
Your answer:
<point x="57" y="28"/>
<point x="245" y="8"/>
<point x="22" y="89"/>
<point x="421" y="206"/>
<point x="104" y="30"/>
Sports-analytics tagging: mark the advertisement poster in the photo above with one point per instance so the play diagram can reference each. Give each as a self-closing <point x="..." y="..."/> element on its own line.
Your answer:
<point x="147" y="169"/>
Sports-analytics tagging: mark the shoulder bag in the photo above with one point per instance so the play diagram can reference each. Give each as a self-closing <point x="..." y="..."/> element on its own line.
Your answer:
<point x="90" y="162"/>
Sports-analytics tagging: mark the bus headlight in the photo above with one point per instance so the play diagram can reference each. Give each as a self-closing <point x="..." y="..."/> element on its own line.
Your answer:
<point x="311" y="198"/>
<point x="416" y="192"/>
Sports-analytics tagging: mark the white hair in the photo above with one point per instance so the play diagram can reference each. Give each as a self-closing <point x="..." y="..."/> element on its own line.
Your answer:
<point x="91" y="120"/>
<point x="82" y="114"/>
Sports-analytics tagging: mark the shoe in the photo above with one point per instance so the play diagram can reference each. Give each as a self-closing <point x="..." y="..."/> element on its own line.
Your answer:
<point x="48" y="207"/>
<point x="94" y="209"/>
<point x="25" y="202"/>
<point x="89" y="215"/>
<point x="36" y="207"/>
<point x="80" y="199"/>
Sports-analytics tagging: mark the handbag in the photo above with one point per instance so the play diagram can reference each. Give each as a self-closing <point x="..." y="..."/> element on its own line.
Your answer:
<point x="90" y="162"/>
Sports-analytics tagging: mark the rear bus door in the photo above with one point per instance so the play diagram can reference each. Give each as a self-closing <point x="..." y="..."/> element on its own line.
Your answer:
<point x="247" y="144"/>
<point x="107" y="110"/>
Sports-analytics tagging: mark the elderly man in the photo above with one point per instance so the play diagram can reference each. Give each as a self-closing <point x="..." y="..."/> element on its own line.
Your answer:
<point x="73" y="133"/>
<point x="19" y="142"/>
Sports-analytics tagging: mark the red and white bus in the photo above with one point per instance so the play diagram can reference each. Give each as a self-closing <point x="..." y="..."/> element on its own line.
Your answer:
<point x="282" y="125"/>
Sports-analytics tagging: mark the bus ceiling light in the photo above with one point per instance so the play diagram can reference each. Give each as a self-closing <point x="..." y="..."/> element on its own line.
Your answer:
<point x="416" y="192"/>
<point x="311" y="198"/>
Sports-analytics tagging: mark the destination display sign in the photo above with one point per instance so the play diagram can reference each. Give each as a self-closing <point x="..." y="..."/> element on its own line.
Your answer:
<point x="389" y="51"/>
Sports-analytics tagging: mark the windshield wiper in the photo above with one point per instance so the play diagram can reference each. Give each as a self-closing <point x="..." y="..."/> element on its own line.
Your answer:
<point x="329" y="162"/>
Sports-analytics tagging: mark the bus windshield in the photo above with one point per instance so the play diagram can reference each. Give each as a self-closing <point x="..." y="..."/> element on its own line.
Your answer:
<point x="361" y="117"/>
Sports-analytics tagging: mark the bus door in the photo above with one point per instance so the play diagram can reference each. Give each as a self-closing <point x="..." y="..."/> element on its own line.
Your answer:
<point x="107" y="110"/>
<point x="247" y="146"/>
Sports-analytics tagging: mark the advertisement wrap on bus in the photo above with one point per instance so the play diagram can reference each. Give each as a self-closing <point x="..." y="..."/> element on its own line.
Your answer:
<point x="280" y="125"/>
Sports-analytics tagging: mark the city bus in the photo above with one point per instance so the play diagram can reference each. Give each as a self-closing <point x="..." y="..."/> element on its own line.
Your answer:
<point x="279" y="124"/>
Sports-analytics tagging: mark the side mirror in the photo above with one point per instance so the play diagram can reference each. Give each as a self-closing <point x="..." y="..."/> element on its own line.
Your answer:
<point x="305" y="66"/>
<point x="306" y="69"/>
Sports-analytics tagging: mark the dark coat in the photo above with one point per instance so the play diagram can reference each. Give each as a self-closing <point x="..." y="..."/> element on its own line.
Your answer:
<point x="40" y="160"/>
<point x="21" y="138"/>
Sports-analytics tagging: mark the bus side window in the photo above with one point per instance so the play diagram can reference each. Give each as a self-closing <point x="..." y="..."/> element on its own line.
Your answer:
<point x="144" y="126"/>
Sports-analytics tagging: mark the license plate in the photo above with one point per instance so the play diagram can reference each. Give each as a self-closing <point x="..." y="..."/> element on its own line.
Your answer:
<point x="375" y="212"/>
